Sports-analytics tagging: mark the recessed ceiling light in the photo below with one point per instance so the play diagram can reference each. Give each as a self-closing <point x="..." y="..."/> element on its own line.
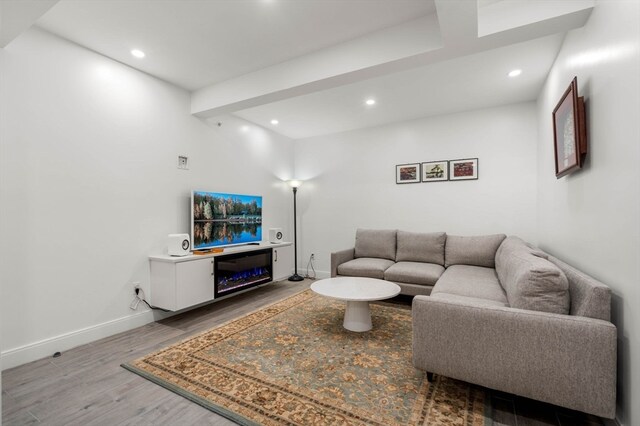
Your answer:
<point x="244" y="128"/>
<point x="274" y="122"/>
<point x="370" y="102"/>
<point x="515" y="73"/>
<point x="137" y="53"/>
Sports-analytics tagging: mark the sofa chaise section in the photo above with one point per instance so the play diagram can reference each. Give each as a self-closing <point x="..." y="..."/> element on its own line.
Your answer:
<point x="560" y="359"/>
<point x="548" y="337"/>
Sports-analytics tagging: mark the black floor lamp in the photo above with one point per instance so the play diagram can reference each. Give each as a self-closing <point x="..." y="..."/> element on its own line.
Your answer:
<point x="295" y="277"/>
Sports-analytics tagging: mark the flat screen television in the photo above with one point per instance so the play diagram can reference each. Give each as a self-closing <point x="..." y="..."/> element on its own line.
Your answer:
<point x="219" y="219"/>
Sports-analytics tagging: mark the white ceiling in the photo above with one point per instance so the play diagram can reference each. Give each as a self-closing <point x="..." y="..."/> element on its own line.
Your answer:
<point x="195" y="43"/>
<point x="312" y="63"/>
<point x="464" y="83"/>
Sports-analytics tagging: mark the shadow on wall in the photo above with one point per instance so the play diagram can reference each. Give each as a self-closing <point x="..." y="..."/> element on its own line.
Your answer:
<point x="271" y="152"/>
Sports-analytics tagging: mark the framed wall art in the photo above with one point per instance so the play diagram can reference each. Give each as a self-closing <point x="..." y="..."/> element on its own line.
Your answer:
<point x="464" y="169"/>
<point x="408" y="173"/>
<point x="569" y="131"/>
<point x="435" y="171"/>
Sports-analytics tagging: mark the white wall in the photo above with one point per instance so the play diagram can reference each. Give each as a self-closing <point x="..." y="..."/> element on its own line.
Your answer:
<point x="350" y="180"/>
<point x="592" y="218"/>
<point x="89" y="187"/>
<point x="2" y="272"/>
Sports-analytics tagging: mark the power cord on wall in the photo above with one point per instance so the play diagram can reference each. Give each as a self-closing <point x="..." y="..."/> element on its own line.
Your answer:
<point x="136" y="301"/>
<point x="310" y="264"/>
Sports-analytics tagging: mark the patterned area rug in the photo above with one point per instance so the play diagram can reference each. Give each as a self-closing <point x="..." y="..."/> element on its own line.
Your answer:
<point x="293" y="363"/>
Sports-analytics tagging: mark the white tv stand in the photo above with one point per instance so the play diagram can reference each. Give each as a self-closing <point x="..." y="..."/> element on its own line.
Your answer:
<point x="180" y="282"/>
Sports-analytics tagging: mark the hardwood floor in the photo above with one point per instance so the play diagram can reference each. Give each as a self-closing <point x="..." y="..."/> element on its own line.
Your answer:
<point x="87" y="386"/>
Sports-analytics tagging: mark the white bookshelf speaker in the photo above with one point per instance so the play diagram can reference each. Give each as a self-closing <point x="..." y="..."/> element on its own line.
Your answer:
<point x="178" y="244"/>
<point x="275" y="235"/>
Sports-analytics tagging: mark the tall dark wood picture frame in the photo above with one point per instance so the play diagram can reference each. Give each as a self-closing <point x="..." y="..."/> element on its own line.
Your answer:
<point x="569" y="131"/>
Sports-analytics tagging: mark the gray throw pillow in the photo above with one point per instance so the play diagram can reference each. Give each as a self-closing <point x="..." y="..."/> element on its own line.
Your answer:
<point x="421" y="247"/>
<point x="380" y="243"/>
<point x="475" y="251"/>
<point x="530" y="280"/>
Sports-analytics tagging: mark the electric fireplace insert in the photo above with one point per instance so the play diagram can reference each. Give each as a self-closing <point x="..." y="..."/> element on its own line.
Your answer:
<point x="240" y="271"/>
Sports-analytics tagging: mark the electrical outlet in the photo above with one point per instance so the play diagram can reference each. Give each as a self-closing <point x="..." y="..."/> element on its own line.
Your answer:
<point x="183" y="162"/>
<point x="137" y="291"/>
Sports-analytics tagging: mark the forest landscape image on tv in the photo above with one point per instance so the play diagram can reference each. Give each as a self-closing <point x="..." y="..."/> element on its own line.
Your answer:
<point x="219" y="219"/>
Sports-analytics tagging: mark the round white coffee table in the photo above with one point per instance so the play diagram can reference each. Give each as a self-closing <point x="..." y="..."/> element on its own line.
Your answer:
<point x="357" y="292"/>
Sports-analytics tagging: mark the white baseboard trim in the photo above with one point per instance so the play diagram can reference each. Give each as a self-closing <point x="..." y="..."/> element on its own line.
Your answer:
<point x="47" y="347"/>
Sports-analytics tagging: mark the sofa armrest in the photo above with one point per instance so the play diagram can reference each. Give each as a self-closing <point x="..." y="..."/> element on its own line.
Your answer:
<point x="561" y="359"/>
<point x="340" y="257"/>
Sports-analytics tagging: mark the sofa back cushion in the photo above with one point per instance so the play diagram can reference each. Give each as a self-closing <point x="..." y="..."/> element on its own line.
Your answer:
<point x="530" y="280"/>
<point x="475" y="251"/>
<point x="421" y="247"/>
<point x="380" y="243"/>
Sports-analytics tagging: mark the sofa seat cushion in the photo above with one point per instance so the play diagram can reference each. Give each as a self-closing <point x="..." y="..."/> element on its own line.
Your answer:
<point x="476" y="251"/>
<point x="379" y="243"/>
<point x="421" y="247"/>
<point x="471" y="281"/>
<point x="530" y="280"/>
<point x="410" y="289"/>
<point x="370" y="267"/>
<point x="414" y="273"/>
<point x="466" y="300"/>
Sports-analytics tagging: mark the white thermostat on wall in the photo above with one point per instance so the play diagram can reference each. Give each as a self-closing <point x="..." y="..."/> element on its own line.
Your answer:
<point x="178" y="244"/>
<point x="275" y="235"/>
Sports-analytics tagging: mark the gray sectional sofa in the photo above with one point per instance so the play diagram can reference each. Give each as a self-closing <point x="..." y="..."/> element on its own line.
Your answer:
<point x="495" y="311"/>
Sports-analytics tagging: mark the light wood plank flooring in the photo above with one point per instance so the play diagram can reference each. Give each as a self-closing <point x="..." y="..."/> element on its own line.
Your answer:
<point x="87" y="386"/>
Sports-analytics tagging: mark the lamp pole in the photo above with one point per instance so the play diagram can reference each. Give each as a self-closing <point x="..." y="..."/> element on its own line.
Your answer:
<point x="295" y="276"/>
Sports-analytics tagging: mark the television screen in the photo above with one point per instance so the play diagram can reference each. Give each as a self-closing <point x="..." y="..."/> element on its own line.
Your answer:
<point x="224" y="219"/>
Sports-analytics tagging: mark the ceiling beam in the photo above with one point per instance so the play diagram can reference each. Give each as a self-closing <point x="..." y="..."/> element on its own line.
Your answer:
<point x="458" y="22"/>
<point x="16" y="16"/>
<point x="451" y="33"/>
<point x="385" y="51"/>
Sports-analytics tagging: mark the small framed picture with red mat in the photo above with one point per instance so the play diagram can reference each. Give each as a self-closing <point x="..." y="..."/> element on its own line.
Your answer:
<point x="465" y="169"/>
<point x="408" y="173"/>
